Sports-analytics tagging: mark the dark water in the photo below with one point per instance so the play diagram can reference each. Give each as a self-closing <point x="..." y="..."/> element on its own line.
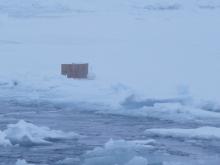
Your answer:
<point x="97" y="129"/>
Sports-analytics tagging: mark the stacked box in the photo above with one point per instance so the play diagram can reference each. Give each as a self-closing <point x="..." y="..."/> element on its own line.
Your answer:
<point x="75" y="70"/>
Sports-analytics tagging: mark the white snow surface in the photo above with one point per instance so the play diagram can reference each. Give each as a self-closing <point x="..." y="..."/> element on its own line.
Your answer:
<point x="119" y="152"/>
<point x="24" y="133"/>
<point x="197" y="133"/>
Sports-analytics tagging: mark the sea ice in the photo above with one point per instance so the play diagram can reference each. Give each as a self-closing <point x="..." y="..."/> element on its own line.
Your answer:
<point x="3" y="141"/>
<point x="197" y="133"/>
<point x="118" y="152"/>
<point x="137" y="161"/>
<point x="24" y="133"/>
<point x="178" y="110"/>
<point x="22" y="162"/>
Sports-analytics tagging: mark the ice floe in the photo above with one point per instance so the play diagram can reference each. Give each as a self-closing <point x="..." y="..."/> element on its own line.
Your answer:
<point x="22" y="162"/>
<point x="176" y="109"/>
<point x="3" y="141"/>
<point x="137" y="160"/>
<point x="24" y="133"/>
<point x="68" y="161"/>
<point x="118" y="152"/>
<point x="197" y="133"/>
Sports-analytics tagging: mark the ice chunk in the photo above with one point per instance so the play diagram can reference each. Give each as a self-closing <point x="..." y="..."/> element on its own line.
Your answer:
<point x="24" y="133"/>
<point x="118" y="152"/>
<point x="132" y="102"/>
<point x="138" y="161"/>
<point x="172" y="111"/>
<point x="174" y="163"/>
<point x="197" y="133"/>
<point x="68" y="161"/>
<point x="3" y="141"/>
<point x="22" y="162"/>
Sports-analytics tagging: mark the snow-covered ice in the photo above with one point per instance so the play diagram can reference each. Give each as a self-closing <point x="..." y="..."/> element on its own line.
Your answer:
<point x="22" y="162"/>
<point x="119" y="152"/>
<point x="180" y="109"/>
<point x="137" y="160"/>
<point x="3" y="141"/>
<point x="68" y="161"/>
<point x="107" y="98"/>
<point x="25" y="134"/>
